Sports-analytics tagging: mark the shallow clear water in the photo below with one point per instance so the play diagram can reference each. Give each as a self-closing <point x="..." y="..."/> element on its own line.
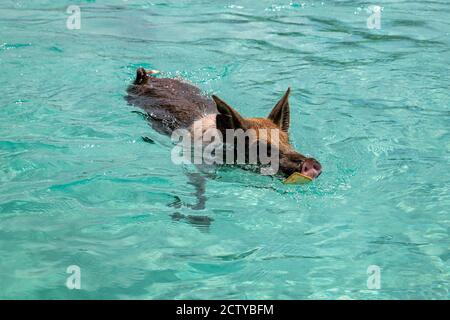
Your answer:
<point x="79" y="186"/>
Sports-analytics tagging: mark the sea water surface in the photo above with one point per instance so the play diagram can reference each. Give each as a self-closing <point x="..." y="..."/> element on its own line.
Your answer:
<point x="80" y="187"/>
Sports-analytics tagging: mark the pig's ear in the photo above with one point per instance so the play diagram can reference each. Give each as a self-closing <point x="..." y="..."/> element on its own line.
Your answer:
<point x="227" y="118"/>
<point x="280" y="113"/>
<point x="141" y="77"/>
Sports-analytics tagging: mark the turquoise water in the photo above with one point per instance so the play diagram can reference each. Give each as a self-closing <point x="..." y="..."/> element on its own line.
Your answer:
<point x="79" y="186"/>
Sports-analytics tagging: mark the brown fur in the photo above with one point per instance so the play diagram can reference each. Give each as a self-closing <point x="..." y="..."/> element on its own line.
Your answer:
<point x="170" y="103"/>
<point x="263" y="123"/>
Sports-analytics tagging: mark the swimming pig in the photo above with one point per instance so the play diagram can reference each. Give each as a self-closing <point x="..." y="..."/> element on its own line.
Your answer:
<point x="173" y="104"/>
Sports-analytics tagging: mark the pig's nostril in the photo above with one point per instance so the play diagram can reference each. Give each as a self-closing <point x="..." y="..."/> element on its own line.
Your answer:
<point x="316" y="167"/>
